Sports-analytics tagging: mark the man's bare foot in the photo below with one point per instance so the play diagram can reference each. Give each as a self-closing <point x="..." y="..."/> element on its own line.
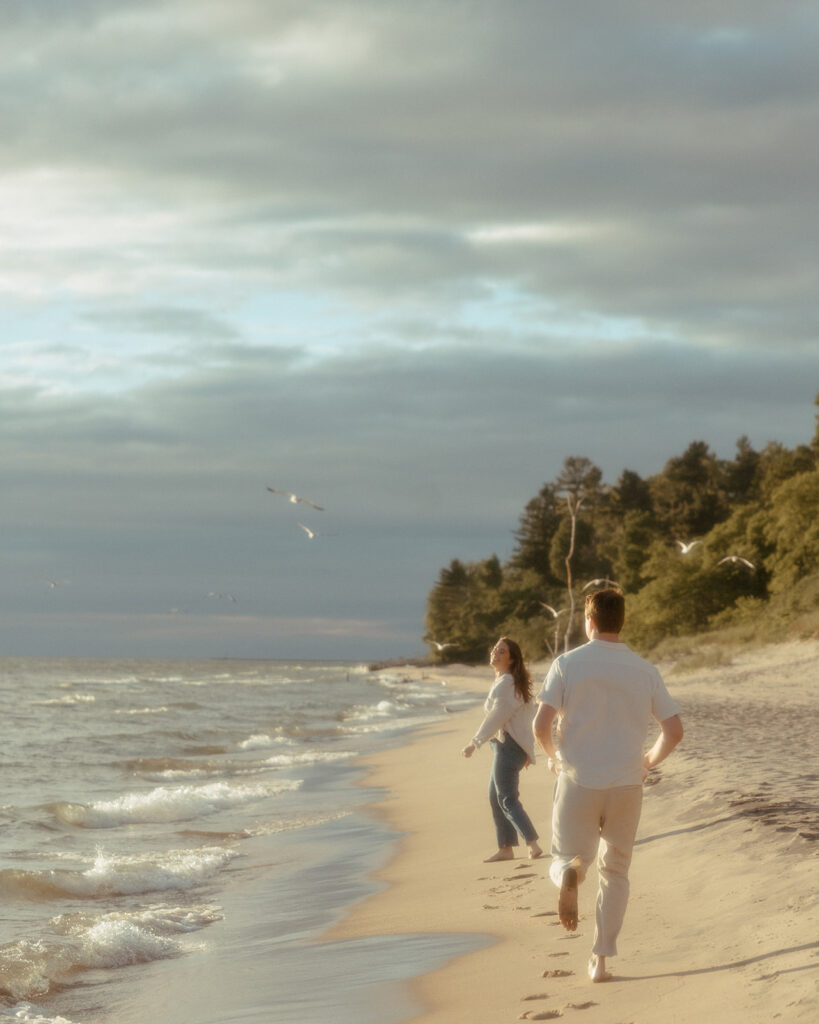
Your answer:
<point x="597" y="968"/>
<point x="535" y="851"/>
<point x="567" y="900"/>
<point x="504" y="853"/>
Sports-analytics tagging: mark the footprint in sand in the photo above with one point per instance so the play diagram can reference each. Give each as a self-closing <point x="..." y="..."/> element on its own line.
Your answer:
<point x="554" y="1014"/>
<point x="557" y="973"/>
<point x="546" y="913"/>
<point x="537" y="995"/>
<point x="564" y="953"/>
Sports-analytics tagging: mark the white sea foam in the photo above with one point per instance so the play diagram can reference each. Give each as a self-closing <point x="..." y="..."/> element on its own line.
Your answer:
<point x="261" y="741"/>
<point x="25" y="1013"/>
<point x="383" y="709"/>
<point x="82" y="941"/>
<point x="165" y="804"/>
<point x="112" y="875"/>
<point x="69" y="698"/>
<point x="175" y="869"/>
<point x="310" y="757"/>
<point x="141" y="711"/>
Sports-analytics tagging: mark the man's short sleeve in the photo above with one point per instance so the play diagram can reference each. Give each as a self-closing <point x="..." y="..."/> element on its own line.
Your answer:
<point x="663" y="704"/>
<point x="553" y="688"/>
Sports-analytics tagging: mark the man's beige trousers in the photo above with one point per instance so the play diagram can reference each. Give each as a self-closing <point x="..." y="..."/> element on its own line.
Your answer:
<point x="586" y="822"/>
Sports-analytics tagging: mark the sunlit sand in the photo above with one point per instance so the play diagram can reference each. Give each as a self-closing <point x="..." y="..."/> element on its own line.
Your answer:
<point x="724" y="881"/>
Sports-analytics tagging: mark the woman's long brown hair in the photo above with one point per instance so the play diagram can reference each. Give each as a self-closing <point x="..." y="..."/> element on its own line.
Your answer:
<point x="518" y="670"/>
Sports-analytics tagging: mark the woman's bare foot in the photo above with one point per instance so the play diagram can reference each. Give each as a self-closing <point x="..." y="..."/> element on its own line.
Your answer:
<point x="504" y="853"/>
<point x="597" y="968"/>
<point x="535" y="851"/>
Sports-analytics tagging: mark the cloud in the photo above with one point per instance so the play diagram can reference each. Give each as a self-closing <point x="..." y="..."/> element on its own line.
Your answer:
<point x="354" y="147"/>
<point x="402" y="257"/>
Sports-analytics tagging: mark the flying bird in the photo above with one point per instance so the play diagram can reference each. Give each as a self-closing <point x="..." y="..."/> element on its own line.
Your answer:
<point x="737" y="558"/>
<point x="315" y="533"/>
<point x="686" y="547"/>
<point x="230" y="597"/>
<point x="295" y="499"/>
<point x="554" y="611"/>
<point x="439" y="645"/>
<point x="601" y="583"/>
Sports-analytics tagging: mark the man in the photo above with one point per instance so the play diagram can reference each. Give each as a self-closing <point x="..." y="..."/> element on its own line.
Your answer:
<point x="606" y="696"/>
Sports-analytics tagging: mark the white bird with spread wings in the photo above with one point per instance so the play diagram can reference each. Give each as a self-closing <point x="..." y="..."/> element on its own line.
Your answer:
<point x="601" y="582"/>
<point x="314" y="533"/>
<point x="737" y="559"/>
<point x="441" y="645"/>
<point x="296" y="500"/>
<point x="685" y="547"/>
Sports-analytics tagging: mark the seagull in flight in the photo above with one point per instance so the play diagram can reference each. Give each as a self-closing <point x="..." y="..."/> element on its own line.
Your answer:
<point x="295" y="499"/>
<point x="438" y="644"/>
<point x="315" y="533"/>
<point x="554" y="611"/>
<point x="601" y="582"/>
<point x="686" y="547"/>
<point x="737" y="558"/>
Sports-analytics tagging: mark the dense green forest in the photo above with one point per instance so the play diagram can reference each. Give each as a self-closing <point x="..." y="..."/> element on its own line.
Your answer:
<point x="704" y="544"/>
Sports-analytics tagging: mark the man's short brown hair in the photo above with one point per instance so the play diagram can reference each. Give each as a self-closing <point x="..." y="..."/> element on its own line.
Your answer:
<point x="607" y="609"/>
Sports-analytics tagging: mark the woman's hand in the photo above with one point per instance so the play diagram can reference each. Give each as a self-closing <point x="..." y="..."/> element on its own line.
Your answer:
<point x="469" y="749"/>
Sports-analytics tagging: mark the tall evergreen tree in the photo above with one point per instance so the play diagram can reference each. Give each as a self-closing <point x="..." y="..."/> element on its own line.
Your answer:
<point x="537" y="526"/>
<point x="689" y="495"/>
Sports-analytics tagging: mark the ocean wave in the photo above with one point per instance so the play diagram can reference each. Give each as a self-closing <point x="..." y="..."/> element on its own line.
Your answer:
<point x="164" y="804"/>
<point x="76" y="942"/>
<point x="383" y="709"/>
<point x="311" y="757"/>
<point x="161" y="710"/>
<point x="167" y="768"/>
<point x="119" y="875"/>
<point x="261" y="741"/>
<point x="25" y="1013"/>
<point x="68" y="699"/>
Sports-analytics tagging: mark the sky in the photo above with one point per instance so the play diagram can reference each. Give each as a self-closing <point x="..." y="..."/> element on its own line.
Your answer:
<point x="399" y="258"/>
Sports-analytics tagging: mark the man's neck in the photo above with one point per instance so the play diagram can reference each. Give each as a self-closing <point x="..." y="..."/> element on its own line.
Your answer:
<point x="612" y="638"/>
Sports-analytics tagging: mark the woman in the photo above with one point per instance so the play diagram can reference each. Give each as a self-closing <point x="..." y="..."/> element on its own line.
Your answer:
<point x="508" y="727"/>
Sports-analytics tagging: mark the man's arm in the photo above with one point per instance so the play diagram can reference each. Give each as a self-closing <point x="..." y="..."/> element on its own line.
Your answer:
<point x="670" y="735"/>
<point x="542" y="728"/>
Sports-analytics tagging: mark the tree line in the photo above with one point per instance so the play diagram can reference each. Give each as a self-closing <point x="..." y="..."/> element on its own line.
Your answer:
<point x="704" y="543"/>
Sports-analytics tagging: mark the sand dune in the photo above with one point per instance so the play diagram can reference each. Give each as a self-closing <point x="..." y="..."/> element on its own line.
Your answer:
<point x="722" y="922"/>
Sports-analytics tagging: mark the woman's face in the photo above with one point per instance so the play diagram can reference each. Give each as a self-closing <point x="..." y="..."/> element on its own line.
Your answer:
<point x="499" y="658"/>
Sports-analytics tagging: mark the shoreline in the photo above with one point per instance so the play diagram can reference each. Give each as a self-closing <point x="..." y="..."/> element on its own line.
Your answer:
<point x="721" y="920"/>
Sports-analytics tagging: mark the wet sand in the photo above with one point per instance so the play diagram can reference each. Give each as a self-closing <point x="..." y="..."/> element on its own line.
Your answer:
<point x="722" y="920"/>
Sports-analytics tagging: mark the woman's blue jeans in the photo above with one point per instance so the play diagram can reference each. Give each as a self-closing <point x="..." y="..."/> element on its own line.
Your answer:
<point x="510" y="818"/>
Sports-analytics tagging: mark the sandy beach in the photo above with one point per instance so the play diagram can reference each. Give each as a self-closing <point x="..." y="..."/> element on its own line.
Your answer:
<point x="722" y="920"/>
